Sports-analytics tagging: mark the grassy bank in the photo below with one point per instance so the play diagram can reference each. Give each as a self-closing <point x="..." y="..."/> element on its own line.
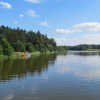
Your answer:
<point x="18" y="54"/>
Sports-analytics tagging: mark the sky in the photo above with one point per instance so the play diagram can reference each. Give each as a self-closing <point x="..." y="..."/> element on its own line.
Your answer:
<point x="69" y="22"/>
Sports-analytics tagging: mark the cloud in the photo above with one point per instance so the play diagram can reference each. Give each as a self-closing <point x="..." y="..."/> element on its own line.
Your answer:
<point x="44" y="24"/>
<point x="87" y="26"/>
<point x="64" y="31"/>
<point x="94" y="26"/>
<point x="35" y="1"/>
<point x="15" y="22"/>
<point x="32" y="13"/>
<point x="21" y="15"/>
<point x="86" y="39"/>
<point x="6" y="5"/>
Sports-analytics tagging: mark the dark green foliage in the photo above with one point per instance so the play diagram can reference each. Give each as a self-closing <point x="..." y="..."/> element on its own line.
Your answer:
<point x="7" y="49"/>
<point x="98" y="46"/>
<point x="13" y="35"/>
<point x="19" y="46"/>
<point x="62" y="48"/>
<point x="42" y="48"/>
<point x="83" y="47"/>
<point x="1" y="49"/>
<point x="30" y="47"/>
<point x="36" y="48"/>
<point x="50" y="48"/>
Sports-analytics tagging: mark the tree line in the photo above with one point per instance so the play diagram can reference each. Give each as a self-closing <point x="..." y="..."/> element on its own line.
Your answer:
<point x="84" y="47"/>
<point x="19" y="40"/>
<point x="80" y="47"/>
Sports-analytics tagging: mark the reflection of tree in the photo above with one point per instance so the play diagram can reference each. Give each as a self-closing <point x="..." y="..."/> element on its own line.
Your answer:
<point x="86" y="53"/>
<point x="62" y="53"/>
<point x="20" y="68"/>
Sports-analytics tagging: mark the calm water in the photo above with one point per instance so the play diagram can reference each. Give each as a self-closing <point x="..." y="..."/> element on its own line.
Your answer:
<point x="62" y="76"/>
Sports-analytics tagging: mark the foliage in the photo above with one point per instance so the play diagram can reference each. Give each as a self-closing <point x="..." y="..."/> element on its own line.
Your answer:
<point x="35" y="38"/>
<point x="7" y="49"/>
<point x="62" y="48"/>
<point x="30" y="47"/>
<point x="42" y="48"/>
<point x="83" y="47"/>
<point x="0" y="49"/>
<point x="19" y="46"/>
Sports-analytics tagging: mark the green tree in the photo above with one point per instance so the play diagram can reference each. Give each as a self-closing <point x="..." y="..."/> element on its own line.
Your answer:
<point x="19" y="46"/>
<point x="0" y="49"/>
<point x="36" y="47"/>
<point x="50" y="48"/>
<point x="7" y="49"/>
<point x="30" y="47"/>
<point x="42" y="48"/>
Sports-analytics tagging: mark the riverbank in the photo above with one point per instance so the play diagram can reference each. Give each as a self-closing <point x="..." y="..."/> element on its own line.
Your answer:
<point x="18" y="54"/>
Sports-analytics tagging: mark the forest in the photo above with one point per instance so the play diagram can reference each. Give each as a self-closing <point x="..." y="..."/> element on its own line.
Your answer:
<point x="82" y="47"/>
<point x="19" y="40"/>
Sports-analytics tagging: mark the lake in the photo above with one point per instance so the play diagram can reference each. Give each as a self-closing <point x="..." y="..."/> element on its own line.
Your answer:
<point x="74" y="75"/>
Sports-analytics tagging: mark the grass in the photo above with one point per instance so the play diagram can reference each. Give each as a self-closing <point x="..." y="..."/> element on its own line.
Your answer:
<point x="18" y="54"/>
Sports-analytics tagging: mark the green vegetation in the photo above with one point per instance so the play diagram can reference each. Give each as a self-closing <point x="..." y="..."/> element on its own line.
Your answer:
<point x="19" y="40"/>
<point x="19" y="46"/>
<point x="7" y="49"/>
<point x="62" y="48"/>
<point x="30" y="47"/>
<point x="0" y="49"/>
<point x="84" y="47"/>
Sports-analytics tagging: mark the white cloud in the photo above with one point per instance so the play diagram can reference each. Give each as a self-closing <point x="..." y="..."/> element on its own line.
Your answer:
<point x="32" y="13"/>
<point x="6" y="5"/>
<point x="44" y="24"/>
<point x="86" y="39"/>
<point x="21" y="15"/>
<point x="87" y="26"/>
<point x="35" y="1"/>
<point x="15" y="22"/>
<point x="94" y="26"/>
<point x="64" y="31"/>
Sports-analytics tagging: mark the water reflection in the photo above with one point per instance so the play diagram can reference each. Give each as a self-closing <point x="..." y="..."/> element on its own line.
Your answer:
<point x="85" y="65"/>
<point x="8" y="97"/>
<point x="59" y="76"/>
<point x="86" y="53"/>
<point x="20" y="68"/>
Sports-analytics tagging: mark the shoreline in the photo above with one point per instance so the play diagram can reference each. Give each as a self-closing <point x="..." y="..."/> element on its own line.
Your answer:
<point x="18" y="54"/>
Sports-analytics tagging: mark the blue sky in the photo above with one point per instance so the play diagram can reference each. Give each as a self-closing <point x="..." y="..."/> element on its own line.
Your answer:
<point x="69" y="22"/>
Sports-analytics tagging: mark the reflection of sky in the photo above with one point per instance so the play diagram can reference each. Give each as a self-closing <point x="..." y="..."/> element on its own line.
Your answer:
<point x="87" y="67"/>
<point x="69" y="75"/>
<point x="8" y="97"/>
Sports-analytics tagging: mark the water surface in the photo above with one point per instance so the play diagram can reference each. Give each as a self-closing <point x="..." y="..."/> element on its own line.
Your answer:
<point x="62" y="76"/>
